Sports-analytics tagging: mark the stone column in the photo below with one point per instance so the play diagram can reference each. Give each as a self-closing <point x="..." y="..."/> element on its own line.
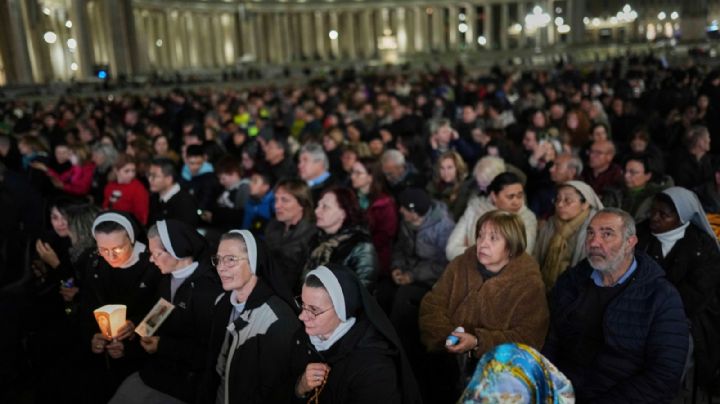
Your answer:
<point x="693" y="19"/>
<point x="349" y="33"/>
<point x="453" y="33"/>
<point x="402" y="35"/>
<point x="438" y="32"/>
<point x="575" y="11"/>
<point x="14" y="44"/>
<point x="366" y="34"/>
<point x="81" y="33"/>
<point x="471" y="21"/>
<point x="488" y="26"/>
<point x="320" y="35"/>
<point x="335" y="43"/>
<point x="522" y="12"/>
<point x="504" y="25"/>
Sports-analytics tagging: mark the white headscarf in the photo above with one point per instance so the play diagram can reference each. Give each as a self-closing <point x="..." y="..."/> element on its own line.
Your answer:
<point x="332" y="285"/>
<point x="138" y="247"/>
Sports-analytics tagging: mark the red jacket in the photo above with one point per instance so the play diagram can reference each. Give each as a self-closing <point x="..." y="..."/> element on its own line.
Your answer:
<point x="383" y="220"/>
<point x="77" y="180"/>
<point x="132" y="198"/>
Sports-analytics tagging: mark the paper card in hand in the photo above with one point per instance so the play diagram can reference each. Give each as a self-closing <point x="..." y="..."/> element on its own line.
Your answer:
<point x="110" y="318"/>
<point x="154" y="318"/>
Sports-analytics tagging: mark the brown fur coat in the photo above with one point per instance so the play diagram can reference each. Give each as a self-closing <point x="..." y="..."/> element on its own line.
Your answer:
<point x="509" y="307"/>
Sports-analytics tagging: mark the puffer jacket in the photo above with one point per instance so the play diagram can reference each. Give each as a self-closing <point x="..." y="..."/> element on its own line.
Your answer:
<point x="691" y="266"/>
<point x="357" y="253"/>
<point x="421" y="251"/>
<point x="645" y="337"/>
<point x="463" y="235"/>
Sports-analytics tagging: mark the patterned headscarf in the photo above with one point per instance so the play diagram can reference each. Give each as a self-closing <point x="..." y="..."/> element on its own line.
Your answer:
<point x="517" y="373"/>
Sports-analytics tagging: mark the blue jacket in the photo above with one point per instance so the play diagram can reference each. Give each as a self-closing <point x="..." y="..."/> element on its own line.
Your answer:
<point x="258" y="213"/>
<point x="645" y="341"/>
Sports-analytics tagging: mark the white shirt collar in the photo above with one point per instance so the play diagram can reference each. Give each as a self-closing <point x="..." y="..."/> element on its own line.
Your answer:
<point x="170" y="193"/>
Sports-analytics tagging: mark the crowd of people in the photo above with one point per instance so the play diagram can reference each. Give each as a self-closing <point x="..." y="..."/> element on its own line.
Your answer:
<point x="387" y="236"/>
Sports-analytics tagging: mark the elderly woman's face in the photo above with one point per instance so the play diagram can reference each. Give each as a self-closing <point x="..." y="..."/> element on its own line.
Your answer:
<point x="663" y="217"/>
<point x="329" y="214"/>
<point x="234" y="273"/>
<point x="491" y="248"/>
<point x="318" y="313"/>
<point x="114" y="247"/>
<point x="160" y="257"/>
<point x="568" y="204"/>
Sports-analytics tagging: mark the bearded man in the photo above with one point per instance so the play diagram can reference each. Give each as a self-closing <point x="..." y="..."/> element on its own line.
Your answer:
<point x="617" y="326"/>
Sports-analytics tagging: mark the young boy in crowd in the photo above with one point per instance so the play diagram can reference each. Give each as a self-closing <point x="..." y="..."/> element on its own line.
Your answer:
<point x="260" y="207"/>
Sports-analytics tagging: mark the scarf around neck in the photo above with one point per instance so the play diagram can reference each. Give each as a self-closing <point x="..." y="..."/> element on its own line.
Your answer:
<point x="669" y="238"/>
<point x="559" y="253"/>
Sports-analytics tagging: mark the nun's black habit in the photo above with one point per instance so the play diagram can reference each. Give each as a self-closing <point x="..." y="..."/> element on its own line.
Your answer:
<point x="135" y="285"/>
<point x="178" y="365"/>
<point x="367" y="363"/>
<point x="248" y="356"/>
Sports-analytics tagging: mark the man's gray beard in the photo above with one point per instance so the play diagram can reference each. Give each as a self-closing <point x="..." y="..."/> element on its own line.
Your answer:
<point x="611" y="264"/>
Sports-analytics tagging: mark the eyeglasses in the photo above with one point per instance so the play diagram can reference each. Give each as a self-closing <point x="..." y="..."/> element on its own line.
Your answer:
<point x="313" y="313"/>
<point x="114" y="251"/>
<point x="227" y="260"/>
<point x="157" y="254"/>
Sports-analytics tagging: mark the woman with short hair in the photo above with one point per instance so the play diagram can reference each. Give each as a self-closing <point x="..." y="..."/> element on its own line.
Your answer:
<point x="494" y="290"/>
<point x="289" y="233"/>
<point x="342" y="236"/>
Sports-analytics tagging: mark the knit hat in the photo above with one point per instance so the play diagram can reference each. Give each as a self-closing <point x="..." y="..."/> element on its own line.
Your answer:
<point x="415" y="200"/>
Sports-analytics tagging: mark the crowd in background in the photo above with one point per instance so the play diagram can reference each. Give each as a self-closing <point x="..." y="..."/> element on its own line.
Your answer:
<point x="381" y="189"/>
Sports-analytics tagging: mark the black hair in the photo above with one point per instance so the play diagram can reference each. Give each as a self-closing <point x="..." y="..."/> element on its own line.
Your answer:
<point x="167" y="167"/>
<point x="643" y="159"/>
<point x="502" y="180"/>
<point x="195" y="150"/>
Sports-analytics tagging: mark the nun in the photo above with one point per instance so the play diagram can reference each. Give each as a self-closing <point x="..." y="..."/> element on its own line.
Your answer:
<point x="349" y="351"/>
<point x="120" y="273"/>
<point x="253" y="327"/>
<point x="178" y="349"/>
<point x="678" y="236"/>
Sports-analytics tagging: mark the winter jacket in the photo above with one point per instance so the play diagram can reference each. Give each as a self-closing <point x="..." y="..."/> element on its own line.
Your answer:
<point x="178" y="365"/>
<point x="692" y="267"/>
<point x="357" y="253"/>
<point x="132" y="198"/>
<point x="260" y="342"/>
<point x="508" y="307"/>
<point x="182" y="206"/>
<point x="290" y="249"/>
<point x="364" y="367"/>
<point x="383" y="223"/>
<point x="645" y="337"/>
<point x="258" y="213"/>
<point x="421" y="251"/>
<point x="205" y="188"/>
<point x="463" y="235"/>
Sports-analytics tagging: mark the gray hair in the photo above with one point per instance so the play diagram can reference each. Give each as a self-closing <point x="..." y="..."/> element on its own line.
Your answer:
<point x="235" y="237"/>
<point x="435" y="125"/>
<point x="393" y="156"/>
<point x="108" y="151"/>
<point x="153" y="232"/>
<point x="80" y="222"/>
<point x="694" y="134"/>
<point x="576" y="164"/>
<point x="316" y="152"/>
<point x="628" y="222"/>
